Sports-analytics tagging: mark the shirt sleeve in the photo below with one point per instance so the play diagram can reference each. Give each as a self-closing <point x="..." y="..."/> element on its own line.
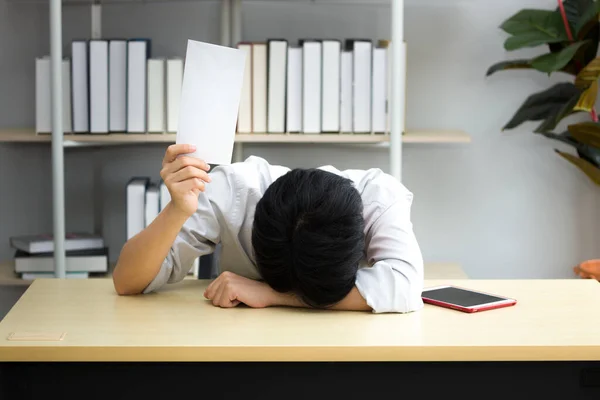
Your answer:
<point x="394" y="280"/>
<point x="199" y="236"/>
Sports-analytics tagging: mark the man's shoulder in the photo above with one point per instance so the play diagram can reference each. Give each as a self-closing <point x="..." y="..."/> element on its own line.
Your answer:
<point x="254" y="173"/>
<point x="379" y="191"/>
<point x="374" y="185"/>
<point x="251" y="168"/>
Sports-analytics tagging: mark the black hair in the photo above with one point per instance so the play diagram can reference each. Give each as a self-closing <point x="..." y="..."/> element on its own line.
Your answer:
<point x="308" y="236"/>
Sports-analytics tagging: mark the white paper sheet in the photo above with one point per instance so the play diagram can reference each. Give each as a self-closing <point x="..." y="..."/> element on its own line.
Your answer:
<point x="210" y="98"/>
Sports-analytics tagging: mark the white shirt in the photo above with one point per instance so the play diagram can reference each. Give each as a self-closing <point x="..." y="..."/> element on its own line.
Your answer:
<point x="390" y="278"/>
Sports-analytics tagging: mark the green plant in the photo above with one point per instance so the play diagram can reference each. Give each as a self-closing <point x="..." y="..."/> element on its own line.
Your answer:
<point x="572" y="34"/>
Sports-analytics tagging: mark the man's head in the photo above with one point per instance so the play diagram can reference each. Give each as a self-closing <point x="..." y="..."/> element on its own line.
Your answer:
<point x="308" y="236"/>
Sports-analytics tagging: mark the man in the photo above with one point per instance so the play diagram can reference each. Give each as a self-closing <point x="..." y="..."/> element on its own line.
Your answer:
<point x="318" y="238"/>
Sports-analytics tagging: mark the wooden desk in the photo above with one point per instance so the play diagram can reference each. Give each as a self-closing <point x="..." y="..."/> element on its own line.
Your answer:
<point x="555" y="320"/>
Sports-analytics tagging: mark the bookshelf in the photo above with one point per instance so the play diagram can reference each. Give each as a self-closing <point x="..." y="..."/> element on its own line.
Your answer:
<point x="231" y="33"/>
<point x="415" y="137"/>
<point x="8" y="277"/>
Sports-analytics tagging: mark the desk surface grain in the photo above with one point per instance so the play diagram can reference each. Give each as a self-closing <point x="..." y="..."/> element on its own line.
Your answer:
<point x="554" y="320"/>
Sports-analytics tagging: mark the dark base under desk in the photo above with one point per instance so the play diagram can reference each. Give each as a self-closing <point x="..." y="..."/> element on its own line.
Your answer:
<point x="331" y="381"/>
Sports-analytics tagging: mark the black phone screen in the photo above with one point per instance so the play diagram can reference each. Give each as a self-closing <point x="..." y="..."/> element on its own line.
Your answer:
<point x="460" y="297"/>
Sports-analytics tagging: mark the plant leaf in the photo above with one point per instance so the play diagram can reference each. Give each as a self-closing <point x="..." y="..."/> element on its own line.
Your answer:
<point x="586" y="133"/>
<point x="589" y="14"/>
<point x="564" y="137"/>
<point x="585" y="30"/>
<point x="575" y="9"/>
<point x="584" y="55"/>
<point x="590" y="170"/>
<point x="546" y="105"/>
<point x="505" y="65"/>
<point x="552" y="62"/>
<point x="585" y="151"/>
<point x="589" y="74"/>
<point x="556" y="47"/>
<point x="531" y="28"/>
<point x="587" y="100"/>
<point x="589" y="154"/>
<point x="532" y="20"/>
<point x="590" y="31"/>
<point x="590" y="52"/>
<point x="531" y="39"/>
<point x="562" y="112"/>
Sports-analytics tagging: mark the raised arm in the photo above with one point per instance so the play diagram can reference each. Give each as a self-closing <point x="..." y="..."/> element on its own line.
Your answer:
<point x="143" y="256"/>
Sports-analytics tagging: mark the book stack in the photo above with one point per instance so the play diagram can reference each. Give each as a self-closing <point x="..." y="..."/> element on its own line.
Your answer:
<point x="34" y="257"/>
<point x="145" y="200"/>
<point x="112" y="86"/>
<point x="317" y="86"/>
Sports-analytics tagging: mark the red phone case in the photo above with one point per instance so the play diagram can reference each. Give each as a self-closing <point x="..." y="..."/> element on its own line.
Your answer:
<point x="484" y="307"/>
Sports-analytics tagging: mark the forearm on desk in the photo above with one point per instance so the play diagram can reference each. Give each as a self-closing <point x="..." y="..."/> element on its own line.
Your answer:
<point x="142" y="255"/>
<point x="352" y="302"/>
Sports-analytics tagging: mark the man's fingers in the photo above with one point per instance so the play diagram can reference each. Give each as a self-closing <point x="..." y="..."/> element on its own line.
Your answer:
<point x="194" y="184"/>
<point x="232" y="298"/>
<point x="212" y="289"/>
<point x="221" y="292"/>
<point x="227" y="297"/>
<point x="217" y="297"/>
<point x="175" y="150"/>
<point x="188" y="173"/>
<point x="185" y="161"/>
<point x="224" y="293"/>
<point x="223" y="296"/>
<point x="220" y="299"/>
<point x="182" y="162"/>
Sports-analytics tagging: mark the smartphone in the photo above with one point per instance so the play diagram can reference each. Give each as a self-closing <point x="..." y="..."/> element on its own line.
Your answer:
<point x="464" y="300"/>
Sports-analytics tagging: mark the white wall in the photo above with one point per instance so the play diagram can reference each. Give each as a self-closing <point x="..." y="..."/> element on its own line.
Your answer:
<point x="503" y="206"/>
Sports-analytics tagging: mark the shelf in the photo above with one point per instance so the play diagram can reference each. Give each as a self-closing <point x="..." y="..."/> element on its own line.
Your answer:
<point x="435" y="136"/>
<point x="385" y="3"/>
<point x="8" y="277"/>
<point x="416" y="137"/>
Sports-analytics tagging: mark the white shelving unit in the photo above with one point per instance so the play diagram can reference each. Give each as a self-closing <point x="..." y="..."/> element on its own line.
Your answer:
<point x="409" y="137"/>
<point x="231" y="31"/>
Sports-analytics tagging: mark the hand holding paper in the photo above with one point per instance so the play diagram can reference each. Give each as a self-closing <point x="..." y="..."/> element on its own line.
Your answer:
<point x="185" y="177"/>
<point x="210" y="98"/>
